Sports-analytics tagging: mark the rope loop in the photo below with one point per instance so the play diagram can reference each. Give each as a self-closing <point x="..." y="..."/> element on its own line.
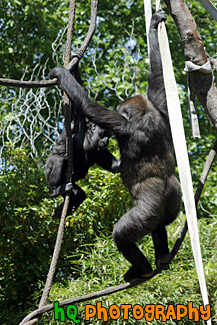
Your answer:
<point x="205" y="68"/>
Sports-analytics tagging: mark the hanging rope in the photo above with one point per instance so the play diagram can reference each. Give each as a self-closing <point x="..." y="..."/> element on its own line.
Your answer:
<point x="67" y="115"/>
<point x="69" y="147"/>
<point x="195" y="129"/>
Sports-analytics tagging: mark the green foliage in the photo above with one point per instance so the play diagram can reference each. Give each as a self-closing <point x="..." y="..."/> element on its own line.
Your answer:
<point x="24" y="229"/>
<point x="115" y="66"/>
<point x="104" y="267"/>
<point x="28" y="232"/>
<point x="28" y="28"/>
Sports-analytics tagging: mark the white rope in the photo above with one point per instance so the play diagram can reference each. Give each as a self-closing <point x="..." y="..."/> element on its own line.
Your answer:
<point x="195" y="129"/>
<point x="205" y="68"/>
<point x="190" y="67"/>
<point x="209" y="6"/>
<point x="181" y="152"/>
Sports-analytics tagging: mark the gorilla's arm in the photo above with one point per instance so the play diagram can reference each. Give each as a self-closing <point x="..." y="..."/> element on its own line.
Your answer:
<point x="107" y="161"/>
<point x="96" y="113"/>
<point x="56" y="165"/>
<point x="53" y="170"/>
<point x="55" y="162"/>
<point x="156" y="89"/>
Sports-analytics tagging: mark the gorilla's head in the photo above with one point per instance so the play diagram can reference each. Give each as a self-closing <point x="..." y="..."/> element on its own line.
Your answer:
<point x="96" y="137"/>
<point x="133" y="107"/>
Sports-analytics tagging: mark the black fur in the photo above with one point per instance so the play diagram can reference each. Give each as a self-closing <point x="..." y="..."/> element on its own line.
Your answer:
<point x="89" y="147"/>
<point x="142" y="130"/>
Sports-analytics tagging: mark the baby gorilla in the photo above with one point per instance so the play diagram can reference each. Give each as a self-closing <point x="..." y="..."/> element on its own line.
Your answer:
<point x="89" y="147"/>
<point x="142" y="129"/>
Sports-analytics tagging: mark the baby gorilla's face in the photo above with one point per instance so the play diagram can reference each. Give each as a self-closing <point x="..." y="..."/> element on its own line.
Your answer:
<point x="97" y="137"/>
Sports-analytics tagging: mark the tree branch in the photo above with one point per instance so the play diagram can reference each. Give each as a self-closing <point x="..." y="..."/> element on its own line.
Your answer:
<point x="28" y="84"/>
<point x="203" y="84"/>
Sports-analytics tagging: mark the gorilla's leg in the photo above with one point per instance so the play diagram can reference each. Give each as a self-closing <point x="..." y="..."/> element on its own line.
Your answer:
<point x="159" y="237"/>
<point x="127" y="231"/>
<point x="172" y="193"/>
<point x="77" y="196"/>
<point x="140" y="265"/>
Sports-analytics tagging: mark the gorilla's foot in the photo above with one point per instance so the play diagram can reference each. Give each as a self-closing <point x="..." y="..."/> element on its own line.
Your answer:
<point x="162" y="260"/>
<point x="61" y="190"/>
<point x="134" y="273"/>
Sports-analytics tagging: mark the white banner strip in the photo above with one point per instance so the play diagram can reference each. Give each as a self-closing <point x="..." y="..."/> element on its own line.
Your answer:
<point x="181" y="152"/>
